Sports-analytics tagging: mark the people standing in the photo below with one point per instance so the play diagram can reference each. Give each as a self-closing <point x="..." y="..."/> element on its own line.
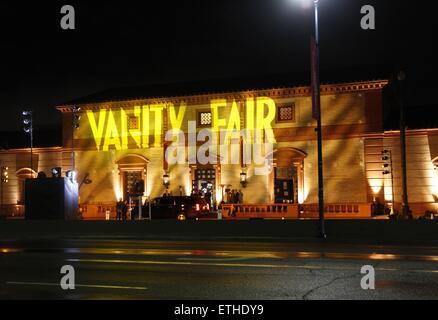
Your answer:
<point x="125" y="210"/>
<point x="208" y="198"/>
<point x="119" y="209"/>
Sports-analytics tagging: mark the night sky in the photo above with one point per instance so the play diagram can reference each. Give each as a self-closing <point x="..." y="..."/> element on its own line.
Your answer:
<point x="123" y="43"/>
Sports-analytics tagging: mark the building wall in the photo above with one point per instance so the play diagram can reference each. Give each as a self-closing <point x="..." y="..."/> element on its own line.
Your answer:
<point x="422" y="179"/>
<point x="18" y="163"/>
<point x="352" y="141"/>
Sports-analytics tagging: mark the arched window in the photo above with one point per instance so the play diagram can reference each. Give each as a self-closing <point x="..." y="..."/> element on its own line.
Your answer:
<point x="287" y="178"/>
<point x="132" y="170"/>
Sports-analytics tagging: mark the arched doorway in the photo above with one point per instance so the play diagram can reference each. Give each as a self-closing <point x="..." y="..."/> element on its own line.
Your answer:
<point x="23" y="174"/>
<point x="287" y="178"/>
<point x="132" y="174"/>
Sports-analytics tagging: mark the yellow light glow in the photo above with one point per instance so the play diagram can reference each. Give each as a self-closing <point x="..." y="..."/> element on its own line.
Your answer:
<point x="97" y="130"/>
<point x="158" y="110"/>
<point x="118" y="192"/>
<point x="376" y="185"/>
<point x="265" y="123"/>
<point x="177" y="120"/>
<point x="111" y="129"/>
<point x="112" y="136"/>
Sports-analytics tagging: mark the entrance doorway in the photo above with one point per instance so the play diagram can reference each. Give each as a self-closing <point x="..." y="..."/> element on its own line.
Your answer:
<point x="204" y="184"/>
<point x="285" y="184"/>
<point x="131" y="182"/>
<point x="132" y="176"/>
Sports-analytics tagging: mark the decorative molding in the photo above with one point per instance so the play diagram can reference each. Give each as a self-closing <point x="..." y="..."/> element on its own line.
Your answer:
<point x="326" y="89"/>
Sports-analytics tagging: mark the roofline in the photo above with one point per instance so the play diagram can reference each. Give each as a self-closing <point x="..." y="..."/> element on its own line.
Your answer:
<point x="272" y="92"/>
<point x="35" y="150"/>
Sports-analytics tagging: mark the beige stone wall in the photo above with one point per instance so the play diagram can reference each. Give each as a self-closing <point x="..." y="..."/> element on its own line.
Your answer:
<point x="10" y="189"/>
<point x="43" y="161"/>
<point x="422" y="179"/>
<point x="421" y="175"/>
<point x="348" y="164"/>
<point x="344" y="174"/>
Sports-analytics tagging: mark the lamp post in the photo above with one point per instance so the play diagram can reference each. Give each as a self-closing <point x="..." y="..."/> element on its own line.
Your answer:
<point x="316" y="111"/>
<point x="406" y="212"/>
<point x="28" y="128"/>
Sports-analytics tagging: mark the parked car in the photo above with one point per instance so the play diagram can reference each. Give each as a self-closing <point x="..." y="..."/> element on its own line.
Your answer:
<point x="429" y="215"/>
<point x="180" y="208"/>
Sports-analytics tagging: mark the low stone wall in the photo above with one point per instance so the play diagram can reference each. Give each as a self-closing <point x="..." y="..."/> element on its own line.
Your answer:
<point x="338" y="211"/>
<point x="12" y="211"/>
<point x="260" y="211"/>
<point x="295" y="211"/>
<point x="97" y="211"/>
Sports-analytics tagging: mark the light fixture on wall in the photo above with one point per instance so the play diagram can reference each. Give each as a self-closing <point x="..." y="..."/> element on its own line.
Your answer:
<point x="166" y="179"/>
<point x="243" y="181"/>
<point x="5" y="174"/>
<point x="56" y="172"/>
<point x="4" y="180"/>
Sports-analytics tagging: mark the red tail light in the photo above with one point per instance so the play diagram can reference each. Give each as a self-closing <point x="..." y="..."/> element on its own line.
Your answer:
<point x="208" y="207"/>
<point x="197" y="207"/>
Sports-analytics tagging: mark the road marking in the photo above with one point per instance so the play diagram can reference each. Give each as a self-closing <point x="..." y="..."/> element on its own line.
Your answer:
<point x="99" y="286"/>
<point x="179" y="263"/>
<point x="216" y="259"/>
<point x="243" y="265"/>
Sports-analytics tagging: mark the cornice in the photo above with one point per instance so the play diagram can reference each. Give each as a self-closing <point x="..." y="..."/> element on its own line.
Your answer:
<point x="326" y="89"/>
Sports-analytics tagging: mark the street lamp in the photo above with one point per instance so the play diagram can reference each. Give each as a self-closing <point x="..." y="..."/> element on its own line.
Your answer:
<point x="28" y="128"/>
<point x="243" y="181"/>
<point x="166" y="179"/>
<point x="316" y="113"/>
<point x="406" y="212"/>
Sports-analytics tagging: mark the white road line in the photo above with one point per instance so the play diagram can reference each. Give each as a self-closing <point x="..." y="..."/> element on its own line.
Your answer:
<point x="243" y="265"/>
<point x="99" y="286"/>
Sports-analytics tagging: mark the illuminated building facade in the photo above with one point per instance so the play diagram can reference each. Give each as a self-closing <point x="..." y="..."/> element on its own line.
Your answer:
<point x="219" y="142"/>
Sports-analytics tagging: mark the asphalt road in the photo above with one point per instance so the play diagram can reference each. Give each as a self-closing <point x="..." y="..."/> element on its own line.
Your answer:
<point x="190" y="270"/>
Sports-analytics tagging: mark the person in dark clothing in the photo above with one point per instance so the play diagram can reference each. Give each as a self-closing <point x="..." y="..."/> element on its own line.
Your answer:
<point x="125" y="210"/>
<point x="119" y="209"/>
<point x="236" y="199"/>
<point x="208" y="198"/>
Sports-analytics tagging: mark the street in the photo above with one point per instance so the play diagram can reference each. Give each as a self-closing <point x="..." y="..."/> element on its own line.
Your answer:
<point x="226" y="270"/>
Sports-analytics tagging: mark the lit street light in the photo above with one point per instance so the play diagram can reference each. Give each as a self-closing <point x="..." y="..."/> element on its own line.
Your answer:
<point x="316" y="112"/>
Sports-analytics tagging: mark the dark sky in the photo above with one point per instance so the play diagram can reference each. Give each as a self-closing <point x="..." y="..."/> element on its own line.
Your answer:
<point x="121" y="43"/>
